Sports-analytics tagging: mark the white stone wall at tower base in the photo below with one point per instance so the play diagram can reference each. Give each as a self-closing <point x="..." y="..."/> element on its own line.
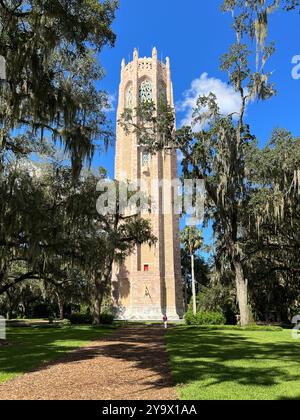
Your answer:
<point x="142" y="313"/>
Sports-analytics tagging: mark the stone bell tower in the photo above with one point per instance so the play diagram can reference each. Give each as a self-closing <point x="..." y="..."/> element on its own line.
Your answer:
<point x="148" y="284"/>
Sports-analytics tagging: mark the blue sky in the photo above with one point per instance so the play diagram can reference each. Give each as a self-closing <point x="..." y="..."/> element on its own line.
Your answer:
<point x="195" y="34"/>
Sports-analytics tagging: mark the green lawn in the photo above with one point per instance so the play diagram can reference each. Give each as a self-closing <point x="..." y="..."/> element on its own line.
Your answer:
<point x="31" y="347"/>
<point x="234" y="364"/>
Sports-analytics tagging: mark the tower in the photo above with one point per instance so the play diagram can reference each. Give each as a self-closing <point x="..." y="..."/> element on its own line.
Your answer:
<point x="148" y="284"/>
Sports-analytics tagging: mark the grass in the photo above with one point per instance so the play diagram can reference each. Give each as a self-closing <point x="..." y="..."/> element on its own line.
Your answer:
<point x="234" y="364"/>
<point x="32" y="347"/>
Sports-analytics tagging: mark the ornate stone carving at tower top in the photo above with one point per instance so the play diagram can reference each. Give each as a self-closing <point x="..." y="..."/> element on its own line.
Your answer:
<point x="148" y="284"/>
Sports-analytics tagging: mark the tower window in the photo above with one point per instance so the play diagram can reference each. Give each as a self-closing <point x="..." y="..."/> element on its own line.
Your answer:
<point x="129" y="97"/>
<point x="146" y="91"/>
<point x="146" y="268"/>
<point x="146" y="159"/>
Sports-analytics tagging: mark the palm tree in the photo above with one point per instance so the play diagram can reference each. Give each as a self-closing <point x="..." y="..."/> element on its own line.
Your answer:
<point x="192" y="240"/>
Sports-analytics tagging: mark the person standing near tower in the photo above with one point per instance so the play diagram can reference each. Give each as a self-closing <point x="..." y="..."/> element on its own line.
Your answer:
<point x="165" y="319"/>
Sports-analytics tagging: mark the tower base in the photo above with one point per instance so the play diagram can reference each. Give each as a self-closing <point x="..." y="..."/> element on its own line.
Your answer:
<point x="140" y="313"/>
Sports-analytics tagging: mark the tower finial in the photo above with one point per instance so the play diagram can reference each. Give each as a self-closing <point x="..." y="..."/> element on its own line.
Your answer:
<point x="123" y="64"/>
<point x="154" y="52"/>
<point x="135" y="54"/>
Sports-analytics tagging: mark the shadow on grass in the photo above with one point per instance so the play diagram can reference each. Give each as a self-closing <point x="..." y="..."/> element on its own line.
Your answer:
<point x="144" y="346"/>
<point x="30" y="348"/>
<point x="207" y="356"/>
<point x="245" y="358"/>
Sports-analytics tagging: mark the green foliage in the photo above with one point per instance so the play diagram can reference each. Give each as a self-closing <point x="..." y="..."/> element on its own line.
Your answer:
<point x="218" y="297"/>
<point x="205" y="318"/>
<point x="81" y="319"/>
<point x="202" y="271"/>
<point x="51" y="225"/>
<point x="87" y="319"/>
<point x="51" y="50"/>
<point x="271" y="227"/>
<point x="192" y="239"/>
<point x="65" y="323"/>
<point x="229" y="363"/>
<point x="106" y="319"/>
<point x="215" y="149"/>
<point x="291" y="4"/>
<point x="30" y="348"/>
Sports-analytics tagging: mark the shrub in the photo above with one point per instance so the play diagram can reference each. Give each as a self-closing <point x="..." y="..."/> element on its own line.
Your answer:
<point x="64" y="323"/>
<point x="210" y="318"/>
<point x="81" y="319"/>
<point x="218" y="298"/>
<point x="106" y="319"/>
<point x="205" y="318"/>
<point x="190" y="318"/>
<point x="87" y="319"/>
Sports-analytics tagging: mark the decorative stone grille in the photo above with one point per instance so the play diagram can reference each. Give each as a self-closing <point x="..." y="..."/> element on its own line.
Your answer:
<point x="146" y="91"/>
<point x="146" y="159"/>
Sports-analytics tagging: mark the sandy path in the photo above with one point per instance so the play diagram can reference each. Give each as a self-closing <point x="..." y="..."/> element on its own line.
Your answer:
<point x="131" y="364"/>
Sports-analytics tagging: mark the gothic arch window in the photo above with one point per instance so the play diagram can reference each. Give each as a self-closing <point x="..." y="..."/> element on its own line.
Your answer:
<point x="129" y="97"/>
<point x="145" y="91"/>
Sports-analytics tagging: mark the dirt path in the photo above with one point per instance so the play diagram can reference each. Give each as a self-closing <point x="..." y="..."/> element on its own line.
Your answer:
<point x="129" y="365"/>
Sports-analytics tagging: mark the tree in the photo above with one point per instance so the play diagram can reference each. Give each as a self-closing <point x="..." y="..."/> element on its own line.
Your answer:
<point x="202" y="273"/>
<point x="291" y="4"/>
<point x="50" y="48"/>
<point x="192" y="240"/>
<point x="214" y="147"/>
<point x="271" y="225"/>
<point x="53" y="233"/>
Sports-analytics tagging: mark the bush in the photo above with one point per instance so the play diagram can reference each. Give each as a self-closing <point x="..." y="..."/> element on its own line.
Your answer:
<point x="205" y="318"/>
<point x="218" y="298"/>
<point x="190" y="318"/>
<point x="106" y="319"/>
<point x="81" y="319"/>
<point x="87" y="319"/>
<point x="64" y="323"/>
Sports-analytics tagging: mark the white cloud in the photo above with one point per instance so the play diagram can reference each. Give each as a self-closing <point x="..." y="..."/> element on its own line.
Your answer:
<point x="111" y="99"/>
<point x="180" y="156"/>
<point x="229" y="101"/>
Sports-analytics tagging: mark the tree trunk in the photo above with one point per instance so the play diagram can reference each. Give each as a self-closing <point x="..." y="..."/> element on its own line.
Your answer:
<point x="185" y="295"/>
<point x="60" y="303"/>
<point x="9" y="314"/>
<point x="242" y="294"/>
<point x="102" y="282"/>
<point x="98" y="299"/>
<point x="194" y="285"/>
<point x="97" y="308"/>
